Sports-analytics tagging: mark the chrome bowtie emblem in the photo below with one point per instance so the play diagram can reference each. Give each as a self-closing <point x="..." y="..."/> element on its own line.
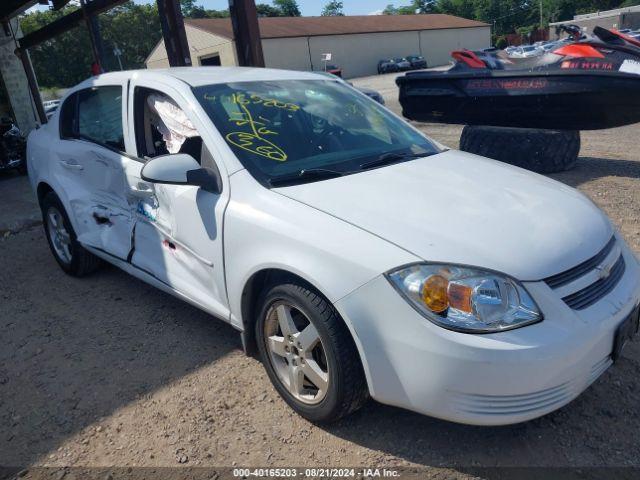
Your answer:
<point x="604" y="271"/>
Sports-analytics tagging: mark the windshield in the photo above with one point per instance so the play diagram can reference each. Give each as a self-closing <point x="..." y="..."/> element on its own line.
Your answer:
<point x="279" y="128"/>
<point x="529" y="49"/>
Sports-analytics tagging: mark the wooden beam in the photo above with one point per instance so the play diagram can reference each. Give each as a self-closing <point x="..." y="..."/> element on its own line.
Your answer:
<point x="173" y="33"/>
<point x="58" y="4"/>
<point x="246" y="32"/>
<point x="33" y="84"/>
<point x="66" y="23"/>
<point x="93" y="26"/>
<point x="11" y="8"/>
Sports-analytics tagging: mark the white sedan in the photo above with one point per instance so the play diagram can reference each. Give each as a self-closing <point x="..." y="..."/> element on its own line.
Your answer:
<point x="356" y="256"/>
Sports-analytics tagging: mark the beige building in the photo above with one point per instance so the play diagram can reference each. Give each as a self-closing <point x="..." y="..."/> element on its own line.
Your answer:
<point x="356" y="43"/>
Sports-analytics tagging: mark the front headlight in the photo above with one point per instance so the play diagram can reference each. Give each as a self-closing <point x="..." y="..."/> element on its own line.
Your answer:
<point x="466" y="299"/>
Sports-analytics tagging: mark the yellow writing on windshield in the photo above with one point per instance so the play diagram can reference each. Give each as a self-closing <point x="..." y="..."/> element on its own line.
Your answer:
<point x="254" y="141"/>
<point x="243" y="99"/>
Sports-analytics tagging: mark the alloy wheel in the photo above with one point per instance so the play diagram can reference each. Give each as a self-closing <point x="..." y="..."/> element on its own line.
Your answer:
<point x="58" y="234"/>
<point x="296" y="353"/>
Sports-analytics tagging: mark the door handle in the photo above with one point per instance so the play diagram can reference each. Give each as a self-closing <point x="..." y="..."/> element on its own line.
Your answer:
<point x="71" y="165"/>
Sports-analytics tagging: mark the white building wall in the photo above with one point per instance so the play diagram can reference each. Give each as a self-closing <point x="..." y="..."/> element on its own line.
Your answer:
<point x="358" y="55"/>
<point x="287" y="53"/>
<point x="436" y="45"/>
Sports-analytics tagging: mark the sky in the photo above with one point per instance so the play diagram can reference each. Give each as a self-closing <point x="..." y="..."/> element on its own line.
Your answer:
<point x="313" y="7"/>
<point x="308" y="7"/>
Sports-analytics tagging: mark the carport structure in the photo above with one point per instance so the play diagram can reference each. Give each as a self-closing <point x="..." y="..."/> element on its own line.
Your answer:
<point x="19" y="93"/>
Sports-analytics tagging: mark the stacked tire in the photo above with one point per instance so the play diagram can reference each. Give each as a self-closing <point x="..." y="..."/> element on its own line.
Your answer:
<point x="542" y="151"/>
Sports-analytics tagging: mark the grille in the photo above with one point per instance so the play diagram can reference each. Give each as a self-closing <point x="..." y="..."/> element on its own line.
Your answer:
<point x="594" y="292"/>
<point x="587" y="277"/>
<point x="576" y="272"/>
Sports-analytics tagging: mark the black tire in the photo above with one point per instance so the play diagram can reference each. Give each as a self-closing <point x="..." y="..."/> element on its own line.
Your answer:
<point x="542" y="151"/>
<point x="347" y="390"/>
<point x="82" y="261"/>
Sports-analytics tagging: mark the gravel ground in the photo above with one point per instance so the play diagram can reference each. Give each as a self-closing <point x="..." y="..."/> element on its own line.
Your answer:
<point x="107" y="371"/>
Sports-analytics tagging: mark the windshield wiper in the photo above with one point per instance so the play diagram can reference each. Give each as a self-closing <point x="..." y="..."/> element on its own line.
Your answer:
<point x="389" y="158"/>
<point x="305" y="175"/>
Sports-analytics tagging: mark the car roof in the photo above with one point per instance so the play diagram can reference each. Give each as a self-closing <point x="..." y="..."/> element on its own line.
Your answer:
<point x="198" y="76"/>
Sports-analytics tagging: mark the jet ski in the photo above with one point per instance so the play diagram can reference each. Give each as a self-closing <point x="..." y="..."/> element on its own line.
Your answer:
<point x="592" y="82"/>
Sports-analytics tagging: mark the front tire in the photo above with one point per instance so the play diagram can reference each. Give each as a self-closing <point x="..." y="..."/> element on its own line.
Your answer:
<point x="309" y="354"/>
<point x="72" y="257"/>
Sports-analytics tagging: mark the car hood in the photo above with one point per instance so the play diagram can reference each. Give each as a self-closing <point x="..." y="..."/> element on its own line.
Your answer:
<point x="457" y="207"/>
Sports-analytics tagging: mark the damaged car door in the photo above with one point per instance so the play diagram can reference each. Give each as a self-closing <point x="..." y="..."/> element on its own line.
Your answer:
<point x="178" y="232"/>
<point x="90" y="160"/>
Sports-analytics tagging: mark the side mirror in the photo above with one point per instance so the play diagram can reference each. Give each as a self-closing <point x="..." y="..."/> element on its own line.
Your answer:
<point x="181" y="169"/>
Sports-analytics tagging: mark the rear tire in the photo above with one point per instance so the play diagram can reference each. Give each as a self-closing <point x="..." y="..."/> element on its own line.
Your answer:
<point x="542" y="151"/>
<point x="72" y="257"/>
<point x="333" y="357"/>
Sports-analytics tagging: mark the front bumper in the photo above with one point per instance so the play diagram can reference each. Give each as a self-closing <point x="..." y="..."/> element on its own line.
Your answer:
<point x="491" y="379"/>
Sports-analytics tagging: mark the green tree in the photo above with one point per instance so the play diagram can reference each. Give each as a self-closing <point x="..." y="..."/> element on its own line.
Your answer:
<point x="424" y="6"/>
<point x="265" y="10"/>
<point x="406" y="10"/>
<point x="288" y="8"/>
<point x="188" y="6"/>
<point x="333" y="9"/>
<point x="390" y="10"/>
<point x="414" y="7"/>
<point x="66" y="59"/>
<point x="63" y="61"/>
<point x="134" y="29"/>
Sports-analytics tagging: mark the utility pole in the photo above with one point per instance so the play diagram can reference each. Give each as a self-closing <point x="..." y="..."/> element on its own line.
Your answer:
<point x="118" y="53"/>
<point x="540" y="15"/>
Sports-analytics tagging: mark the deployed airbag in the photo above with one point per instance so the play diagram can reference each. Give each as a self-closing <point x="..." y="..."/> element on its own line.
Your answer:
<point x="171" y="122"/>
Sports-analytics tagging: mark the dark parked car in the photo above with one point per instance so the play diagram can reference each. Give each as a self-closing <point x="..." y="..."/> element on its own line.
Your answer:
<point x="370" y="92"/>
<point x="388" y="65"/>
<point x="403" y="63"/>
<point x="417" y="61"/>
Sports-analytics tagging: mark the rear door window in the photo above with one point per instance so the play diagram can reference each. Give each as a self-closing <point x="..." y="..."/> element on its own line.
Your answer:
<point x="100" y="116"/>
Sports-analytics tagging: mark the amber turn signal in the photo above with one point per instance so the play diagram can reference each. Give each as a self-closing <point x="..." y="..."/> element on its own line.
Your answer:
<point x="459" y="297"/>
<point x="434" y="293"/>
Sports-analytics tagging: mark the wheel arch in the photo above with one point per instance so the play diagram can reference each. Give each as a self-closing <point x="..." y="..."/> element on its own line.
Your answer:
<point x="251" y="291"/>
<point x="42" y="190"/>
<point x="249" y="303"/>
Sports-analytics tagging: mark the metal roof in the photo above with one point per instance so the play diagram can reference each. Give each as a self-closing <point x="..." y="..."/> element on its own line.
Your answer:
<point x="282" y="27"/>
